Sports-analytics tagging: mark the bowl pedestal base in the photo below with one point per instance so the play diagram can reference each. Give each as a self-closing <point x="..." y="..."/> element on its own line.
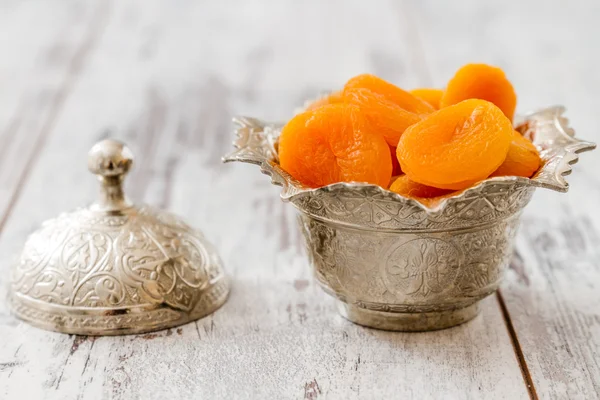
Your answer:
<point x="407" y="322"/>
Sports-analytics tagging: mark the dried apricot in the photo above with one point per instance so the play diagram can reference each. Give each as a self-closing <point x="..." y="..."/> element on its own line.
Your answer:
<point x="333" y="98"/>
<point x="481" y="81"/>
<point x="404" y="186"/>
<point x="334" y="143"/>
<point x="386" y="117"/>
<point x="431" y="96"/>
<point x="393" y="93"/>
<point x="396" y="170"/>
<point x="456" y="146"/>
<point x="522" y="159"/>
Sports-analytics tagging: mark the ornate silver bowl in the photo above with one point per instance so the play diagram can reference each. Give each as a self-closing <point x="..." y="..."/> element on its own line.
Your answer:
<point x="393" y="263"/>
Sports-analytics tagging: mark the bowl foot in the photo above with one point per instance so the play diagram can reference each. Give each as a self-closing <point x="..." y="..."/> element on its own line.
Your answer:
<point x="407" y="322"/>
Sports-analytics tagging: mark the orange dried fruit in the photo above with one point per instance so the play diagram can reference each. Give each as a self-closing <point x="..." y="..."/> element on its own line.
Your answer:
<point x="386" y="117"/>
<point x="431" y="96"/>
<point x="522" y="159"/>
<point x="333" y="98"/>
<point x="407" y="188"/>
<point x="481" y="81"/>
<point x="393" y="93"/>
<point x="334" y="143"/>
<point x="394" y="177"/>
<point x="456" y="146"/>
<point x="396" y="169"/>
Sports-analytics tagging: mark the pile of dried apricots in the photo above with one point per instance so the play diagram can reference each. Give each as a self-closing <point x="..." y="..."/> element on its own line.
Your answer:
<point x="423" y="144"/>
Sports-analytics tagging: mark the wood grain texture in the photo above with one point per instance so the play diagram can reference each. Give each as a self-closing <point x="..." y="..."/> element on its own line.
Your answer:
<point x="552" y="293"/>
<point x="166" y="78"/>
<point x="37" y="75"/>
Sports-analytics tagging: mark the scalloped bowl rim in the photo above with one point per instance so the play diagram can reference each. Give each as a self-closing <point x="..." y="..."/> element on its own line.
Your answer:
<point x="292" y="189"/>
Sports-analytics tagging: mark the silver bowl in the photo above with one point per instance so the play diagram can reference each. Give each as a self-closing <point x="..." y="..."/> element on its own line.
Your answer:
<point x="393" y="263"/>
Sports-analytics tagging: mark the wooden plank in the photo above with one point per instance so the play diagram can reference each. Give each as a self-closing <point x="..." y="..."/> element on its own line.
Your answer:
<point x="38" y="70"/>
<point x="552" y="293"/>
<point x="159" y="82"/>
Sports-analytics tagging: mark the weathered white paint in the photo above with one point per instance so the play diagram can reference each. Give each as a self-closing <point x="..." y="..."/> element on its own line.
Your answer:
<point x="166" y="77"/>
<point x="43" y="49"/>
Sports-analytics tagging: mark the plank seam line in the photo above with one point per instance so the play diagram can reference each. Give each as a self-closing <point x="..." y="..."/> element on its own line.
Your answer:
<point x="517" y="347"/>
<point x="71" y="76"/>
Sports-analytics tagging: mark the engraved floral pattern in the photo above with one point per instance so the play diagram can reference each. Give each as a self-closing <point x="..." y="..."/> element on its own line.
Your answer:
<point x="370" y="206"/>
<point x="404" y="272"/>
<point x="91" y="261"/>
<point x="422" y="266"/>
<point x="115" y="322"/>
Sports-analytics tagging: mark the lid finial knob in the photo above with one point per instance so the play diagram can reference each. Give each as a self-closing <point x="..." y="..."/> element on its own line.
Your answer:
<point x="110" y="160"/>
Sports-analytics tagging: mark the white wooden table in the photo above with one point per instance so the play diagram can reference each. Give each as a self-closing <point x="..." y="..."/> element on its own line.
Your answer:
<point x="166" y="77"/>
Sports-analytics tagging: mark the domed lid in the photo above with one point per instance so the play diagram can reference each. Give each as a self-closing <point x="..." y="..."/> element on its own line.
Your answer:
<point x="114" y="267"/>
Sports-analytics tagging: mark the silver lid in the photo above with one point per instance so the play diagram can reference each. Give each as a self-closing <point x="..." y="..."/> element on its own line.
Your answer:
<point x="116" y="268"/>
